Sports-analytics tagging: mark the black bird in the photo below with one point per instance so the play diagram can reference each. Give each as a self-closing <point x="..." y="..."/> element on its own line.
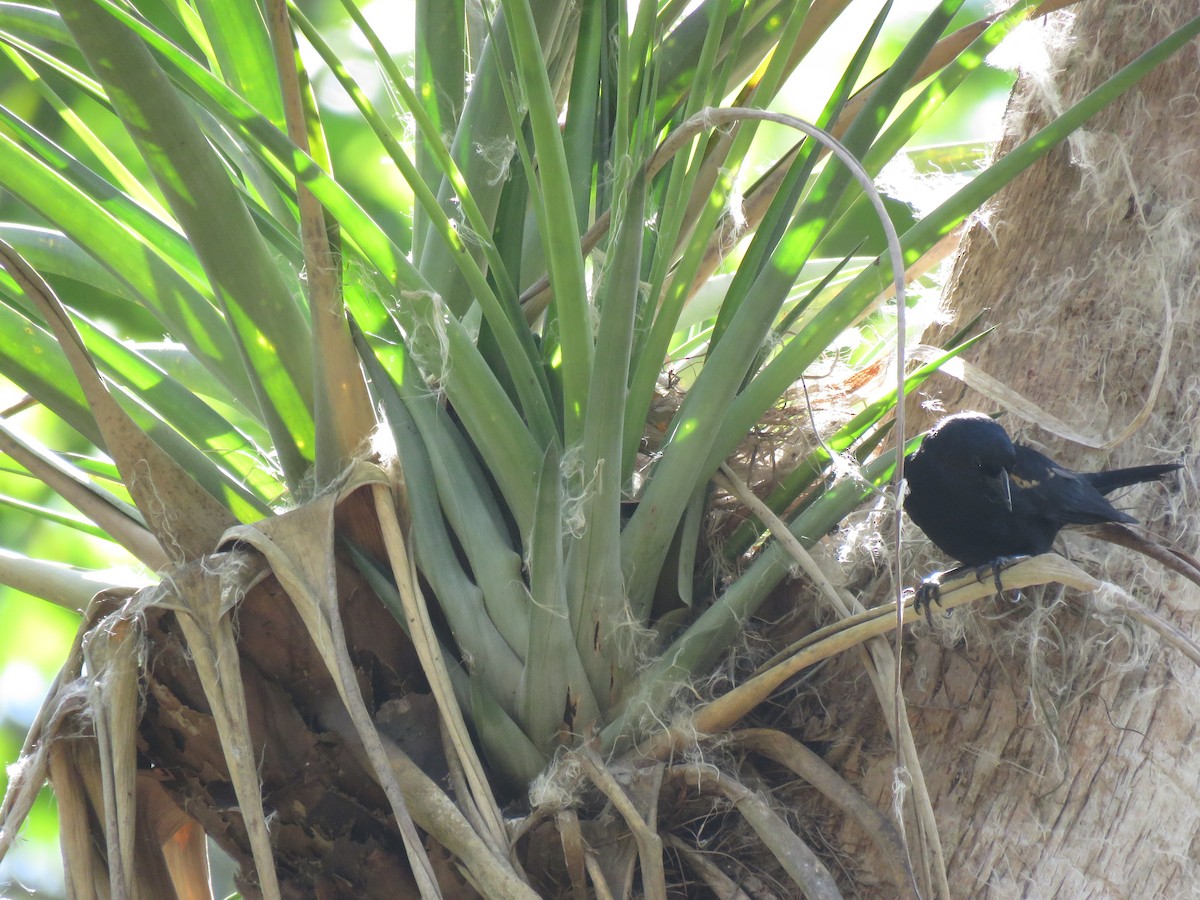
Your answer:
<point x="980" y="498"/>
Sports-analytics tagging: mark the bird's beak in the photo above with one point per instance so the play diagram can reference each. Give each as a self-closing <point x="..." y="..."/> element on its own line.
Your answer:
<point x="1001" y="483"/>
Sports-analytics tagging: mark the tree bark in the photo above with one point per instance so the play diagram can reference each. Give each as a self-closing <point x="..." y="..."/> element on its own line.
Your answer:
<point x="1059" y="743"/>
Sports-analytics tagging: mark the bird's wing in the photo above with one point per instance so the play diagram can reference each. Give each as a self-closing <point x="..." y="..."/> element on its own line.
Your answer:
<point x="1047" y="490"/>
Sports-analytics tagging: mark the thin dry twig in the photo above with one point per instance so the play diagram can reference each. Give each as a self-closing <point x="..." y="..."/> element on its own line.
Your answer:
<point x="790" y="753"/>
<point x="1121" y="599"/>
<point x="718" y="882"/>
<point x="1171" y="557"/>
<point x="111" y="654"/>
<point x="882" y="665"/>
<point x="432" y="663"/>
<point x="723" y="712"/>
<point x="310" y="582"/>
<point x="197" y="594"/>
<point x="458" y="778"/>
<point x="797" y="859"/>
<point x="649" y="843"/>
<point x="599" y="883"/>
<point x="574" y="853"/>
<point x="63" y="700"/>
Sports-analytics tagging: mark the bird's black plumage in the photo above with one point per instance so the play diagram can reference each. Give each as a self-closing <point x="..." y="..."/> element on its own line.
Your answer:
<point x="979" y="497"/>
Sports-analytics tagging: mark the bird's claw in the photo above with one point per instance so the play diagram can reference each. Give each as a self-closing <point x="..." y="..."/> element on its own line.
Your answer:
<point x="996" y="567"/>
<point x="927" y="593"/>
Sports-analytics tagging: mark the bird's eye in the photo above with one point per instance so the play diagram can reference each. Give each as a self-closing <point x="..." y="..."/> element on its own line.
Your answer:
<point x="976" y="462"/>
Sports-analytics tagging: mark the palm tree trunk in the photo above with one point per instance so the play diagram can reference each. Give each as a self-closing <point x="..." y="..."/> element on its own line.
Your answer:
<point x="1061" y="763"/>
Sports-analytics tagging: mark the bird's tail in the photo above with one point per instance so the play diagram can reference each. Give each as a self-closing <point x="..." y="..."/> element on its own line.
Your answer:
<point x="1105" y="482"/>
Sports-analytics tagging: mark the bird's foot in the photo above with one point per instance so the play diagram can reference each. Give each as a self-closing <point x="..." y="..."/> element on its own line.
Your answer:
<point x="995" y="568"/>
<point x="929" y="591"/>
